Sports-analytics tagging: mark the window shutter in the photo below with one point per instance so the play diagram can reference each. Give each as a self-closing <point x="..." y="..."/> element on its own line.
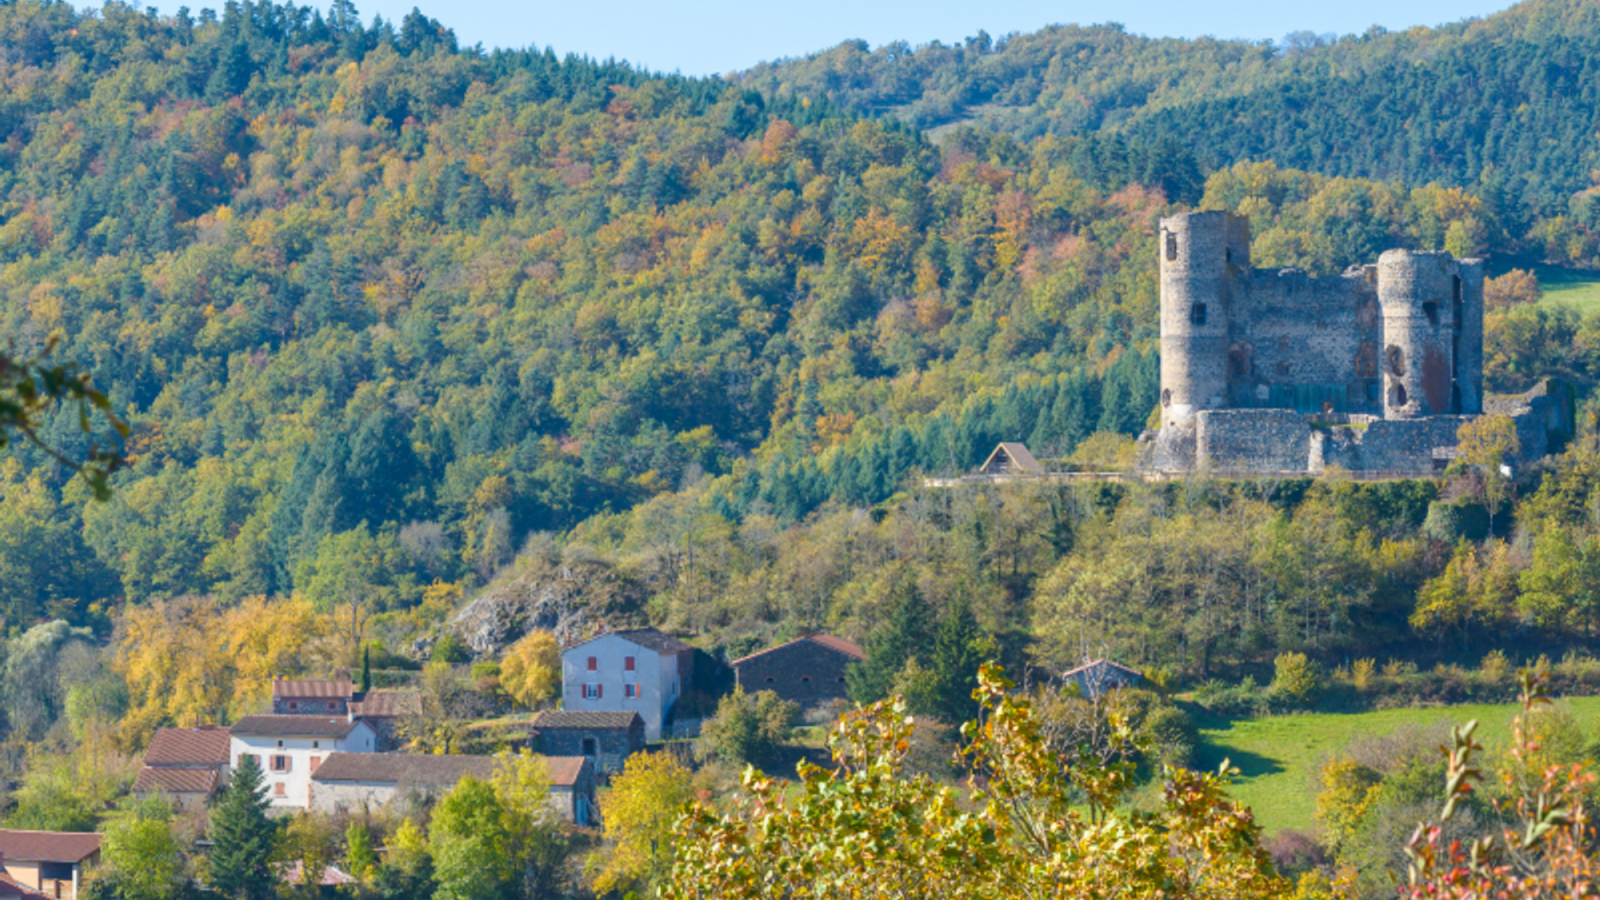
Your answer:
<point x="315" y="762"/>
<point x="627" y="663"/>
<point x="594" y="663"/>
<point x="599" y="692"/>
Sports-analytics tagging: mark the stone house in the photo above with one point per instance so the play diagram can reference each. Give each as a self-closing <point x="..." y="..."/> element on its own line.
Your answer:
<point x="1011" y="458"/>
<point x="346" y="782"/>
<point x="608" y="738"/>
<point x="383" y="710"/>
<point x="294" y="697"/>
<point x="185" y="765"/>
<point x="50" y="862"/>
<point x="642" y="671"/>
<point x="290" y="749"/>
<point x="1100" y="676"/>
<point x="808" y="671"/>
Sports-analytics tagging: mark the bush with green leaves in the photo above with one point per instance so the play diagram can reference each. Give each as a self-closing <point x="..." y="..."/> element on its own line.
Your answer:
<point x="748" y="728"/>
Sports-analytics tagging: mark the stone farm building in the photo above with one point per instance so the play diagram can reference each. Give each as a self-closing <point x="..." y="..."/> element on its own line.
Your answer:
<point x="1099" y="676"/>
<point x="1270" y="371"/>
<point x="642" y="671"/>
<point x="607" y="737"/>
<point x="294" y="697"/>
<point x="349" y="782"/>
<point x="185" y="765"/>
<point x="808" y="671"/>
<point x="51" y="863"/>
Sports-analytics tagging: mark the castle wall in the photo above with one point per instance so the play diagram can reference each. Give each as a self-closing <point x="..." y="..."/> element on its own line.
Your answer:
<point x="1401" y="446"/>
<point x="1306" y="344"/>
<point x="1254" y="440"/>
<point x="1469" y="337"/>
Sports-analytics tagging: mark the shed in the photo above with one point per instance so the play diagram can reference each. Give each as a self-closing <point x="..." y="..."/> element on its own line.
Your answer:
<point x="50" y="862"/>
<point x="1099" y="676"/>
<point x="1011" y="458"/>
<point x="608" y="737"/>
<point x="808" y="671"/>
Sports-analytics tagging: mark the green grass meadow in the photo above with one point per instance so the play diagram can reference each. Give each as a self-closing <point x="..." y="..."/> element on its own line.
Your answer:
<point x="1278" y="755"/>
<point x="1575" y="288"/>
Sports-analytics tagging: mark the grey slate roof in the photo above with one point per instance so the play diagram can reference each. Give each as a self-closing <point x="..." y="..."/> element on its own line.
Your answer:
<point x="408" y="768"/>
<point x="664" y="644"/>
<point x="292" y="726"/>
<point x="585" y="720"/>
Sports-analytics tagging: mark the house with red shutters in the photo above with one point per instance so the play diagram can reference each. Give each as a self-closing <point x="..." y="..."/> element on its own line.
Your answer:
<point x="642" y="671"/>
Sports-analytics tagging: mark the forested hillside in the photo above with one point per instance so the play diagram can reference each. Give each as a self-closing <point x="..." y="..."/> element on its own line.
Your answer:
<point x="382" y="312"/>
<point x="1506" y="103"/>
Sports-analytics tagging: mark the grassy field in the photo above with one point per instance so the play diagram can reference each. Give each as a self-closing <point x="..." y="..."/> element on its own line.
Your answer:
<point x="1576" y="288"/>
<point x="1277" y="755"/>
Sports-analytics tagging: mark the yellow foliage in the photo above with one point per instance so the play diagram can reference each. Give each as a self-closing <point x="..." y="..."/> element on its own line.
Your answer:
<point x="531" y="669"/>
<point x="1347" y="791"/>
<point x="640" y="815"/>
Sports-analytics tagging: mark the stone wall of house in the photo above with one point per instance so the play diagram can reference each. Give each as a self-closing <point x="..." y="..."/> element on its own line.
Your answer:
<point x="304" y="706"/>
<point x="613" y="746"/>
<point x="804" y="672"/>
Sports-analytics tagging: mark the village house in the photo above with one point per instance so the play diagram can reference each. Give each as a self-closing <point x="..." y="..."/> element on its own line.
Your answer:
<point x="298" y="697"/>
<point x="808" y="671"/>
<point x="607" y="737"/>
<point x="383" y="710"/>
<point x="185" y="765"/>
<point x="50" y="862"/>
<point x="348" y="782"/>
<point x="642" y="671"/>
<point x="1102" y="676"/>
<point x="289" y="749"/>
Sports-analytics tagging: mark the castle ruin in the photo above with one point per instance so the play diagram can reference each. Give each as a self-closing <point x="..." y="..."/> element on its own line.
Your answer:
<point x="1274" y="371"/>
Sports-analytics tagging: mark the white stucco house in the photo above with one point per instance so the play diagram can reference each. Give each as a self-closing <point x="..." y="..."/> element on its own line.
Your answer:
<point x="642" y="671"/>
<point x="290" y="748"/>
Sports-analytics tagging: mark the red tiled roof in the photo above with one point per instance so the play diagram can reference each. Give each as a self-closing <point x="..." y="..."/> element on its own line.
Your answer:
<point x="314" y="690"/>
<point x="175" y="781"/>
<point x="836" y="644"/>
<point x="48" y="846"/>
<point x="403" y="768"/>
<point x="10" y="890"/>
<point x="332" y="876"/>
<point x="564" y="770"/>
<point x="206" y="745"/>
<point x="387" y="703"/>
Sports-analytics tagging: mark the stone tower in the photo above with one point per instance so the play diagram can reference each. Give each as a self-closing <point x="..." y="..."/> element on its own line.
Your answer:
<point x="1432" y="359"/>
<point x="1204" y="256"/>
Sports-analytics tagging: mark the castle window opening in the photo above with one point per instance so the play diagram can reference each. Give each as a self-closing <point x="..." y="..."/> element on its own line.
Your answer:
<point x="1397" y="395"/>
<point x="1197" y="314"/>
<point x="1240" y="356"/>
<point x="1172" y="247"/>
<point x="1431" y="310"/>
<point x="1395" y="359"/>
<point x="1166" y="397"/>
<point x="1455" y="289"/>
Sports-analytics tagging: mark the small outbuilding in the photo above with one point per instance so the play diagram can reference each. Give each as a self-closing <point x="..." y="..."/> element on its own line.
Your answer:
<point x="298" y="697"/>
<point x="608" y="737"/>
<point x="808" y="671"/>
<point x="1011" y="458"/>
<point x="52" y="863"/>
<point x="1101" y="676"/>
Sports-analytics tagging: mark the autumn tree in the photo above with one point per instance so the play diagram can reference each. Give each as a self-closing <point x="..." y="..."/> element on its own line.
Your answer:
<point x="531" y="669"/>
<point x="641" y="818"/>
<point x="748" y="728"/>
<point x="1485" y="443"/>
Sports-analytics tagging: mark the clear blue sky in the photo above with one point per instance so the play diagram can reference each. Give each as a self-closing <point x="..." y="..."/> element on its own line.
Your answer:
<point x="700" y="37"/>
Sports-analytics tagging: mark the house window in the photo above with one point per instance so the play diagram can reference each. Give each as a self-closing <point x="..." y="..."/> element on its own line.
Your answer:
<point x="315" y="762"/>
<point x="280" y="745"/>
<point x="590" y="747"/>
<point x="627" y="664"/>
<point x="332" y="706"/>
<point x="55" y="871"/>
<point x="316" y="745"/>
<point x="594" y="663"/>
<point x="631" y="691"/>
<point x="592" y="691"/>
<point x="294" y="705"/>
<point x="280" y="763"/>
<point x="280" y="790"/>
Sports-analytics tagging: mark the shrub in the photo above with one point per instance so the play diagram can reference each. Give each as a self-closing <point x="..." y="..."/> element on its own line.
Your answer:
<point x="1495" y="667"/>
<point x="748" y="728"/>
<point x="450" y="649"/>
<point x="1361" y="672"/>
<point x="1297" y="681"/>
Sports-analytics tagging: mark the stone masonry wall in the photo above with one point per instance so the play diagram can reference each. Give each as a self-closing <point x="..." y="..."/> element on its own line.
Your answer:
<point x="1256" y="440"/>
<point x="804" y="672"/>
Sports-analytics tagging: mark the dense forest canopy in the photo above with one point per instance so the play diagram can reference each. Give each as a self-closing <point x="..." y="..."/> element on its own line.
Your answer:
<point x="382" y="311"/>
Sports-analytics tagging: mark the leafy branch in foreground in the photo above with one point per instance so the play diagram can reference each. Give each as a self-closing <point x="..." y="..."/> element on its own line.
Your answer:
<point x="870" y="830"/>
<point x="29" y="386"/>
<point x="1546" y="852"/>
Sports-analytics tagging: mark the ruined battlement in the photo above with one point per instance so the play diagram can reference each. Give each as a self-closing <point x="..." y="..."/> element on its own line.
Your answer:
<point x="1252" y="358"/>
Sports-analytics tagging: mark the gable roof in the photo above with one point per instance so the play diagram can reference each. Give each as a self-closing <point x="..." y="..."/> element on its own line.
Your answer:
<point x="1018" y="454"/>
<point x="1101" y="664"/>
<point x="175" y="781"/>
<point x="375" y="704"/>
<point x="430" y="769"/>
<point x="293" y="726"/>
<point x="312" y="689"/>
<point x="48" y="846"/>
<point x="649" y="638"/>
<point x="203" y="746"/>
<point x="10" y="890"/>
<point x="836" y="644"/>
<point x="403" y="768"/>
<point x="585" y="720"/>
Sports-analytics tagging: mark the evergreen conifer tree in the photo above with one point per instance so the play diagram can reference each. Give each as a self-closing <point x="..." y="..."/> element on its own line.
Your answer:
<point x="959" y="649"/>
<point x="896" y="640"/>
<point x="366" y="669"/>
<point x="243" y="836"/>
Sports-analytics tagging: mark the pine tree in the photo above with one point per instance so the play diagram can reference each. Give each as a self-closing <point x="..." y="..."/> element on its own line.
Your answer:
<point x="959" y="649"/>
<point x="896" y="640"/>
<point x="366" y="669"/>
<point x="243" y="836"/>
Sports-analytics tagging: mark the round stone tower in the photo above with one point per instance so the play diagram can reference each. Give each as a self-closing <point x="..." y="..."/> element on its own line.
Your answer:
<point x="1201" y="252"/>
<point x="1415" y="291"/>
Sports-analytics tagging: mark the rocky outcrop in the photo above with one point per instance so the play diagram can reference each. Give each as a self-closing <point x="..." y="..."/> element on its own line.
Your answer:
<point x="566" y="598"/>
